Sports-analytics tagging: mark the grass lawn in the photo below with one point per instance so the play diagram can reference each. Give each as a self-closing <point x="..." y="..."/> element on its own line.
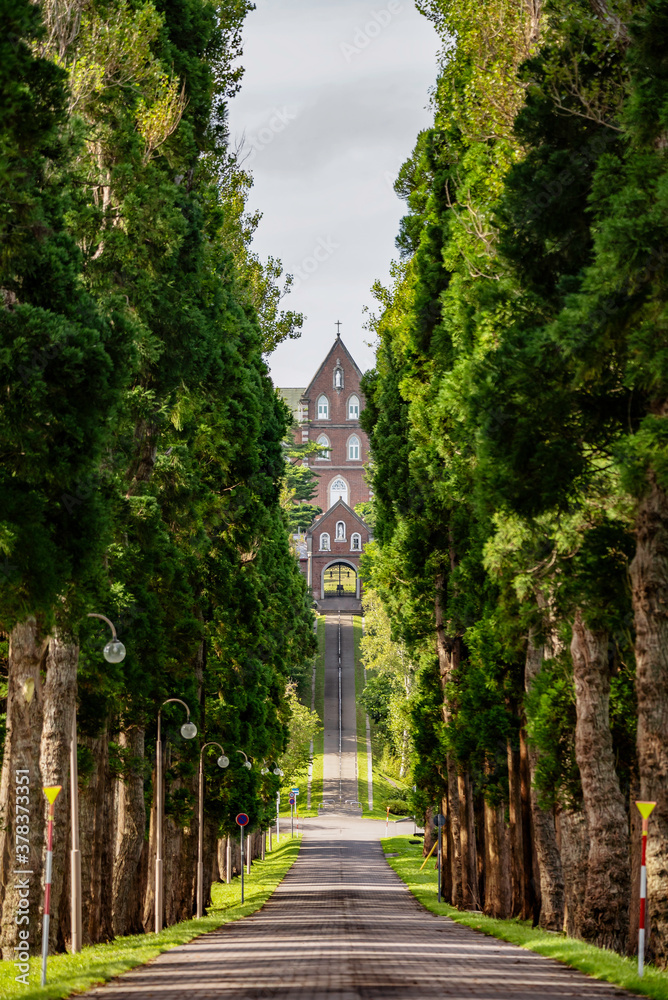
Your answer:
<point x="596" y="962"/>
<point x="96" y="964"/>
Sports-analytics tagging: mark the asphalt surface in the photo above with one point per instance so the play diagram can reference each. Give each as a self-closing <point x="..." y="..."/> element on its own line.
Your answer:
<point x="339" y="771"/>
<point x="342" y="925"/>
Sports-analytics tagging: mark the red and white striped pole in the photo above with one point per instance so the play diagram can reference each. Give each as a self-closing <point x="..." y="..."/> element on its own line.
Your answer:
<point x="52" y="794"/>
<point x="645" y="809"/>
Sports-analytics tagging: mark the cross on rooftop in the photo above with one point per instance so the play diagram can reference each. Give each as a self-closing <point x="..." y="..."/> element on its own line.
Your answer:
<point x="338" y="327"/>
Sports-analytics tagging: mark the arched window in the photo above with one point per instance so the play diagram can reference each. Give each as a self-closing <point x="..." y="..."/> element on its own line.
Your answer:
<point x="323" y="440"/>
<point x="340" y="531"/>
<point x="353" y="408"/>
<point x="324" y="542"/>
<point x="338" y="490"/>
<point x="356" y="542"/>
<point x="323" y="408"/>
<point x="353" y="448"/>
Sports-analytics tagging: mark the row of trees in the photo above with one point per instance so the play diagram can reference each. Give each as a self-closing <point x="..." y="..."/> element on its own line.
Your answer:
<point x="140" y="448"/>
<point x="517" y="415"/>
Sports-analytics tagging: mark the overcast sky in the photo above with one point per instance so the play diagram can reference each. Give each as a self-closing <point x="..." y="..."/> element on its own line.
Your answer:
<point x="333" y="96"/>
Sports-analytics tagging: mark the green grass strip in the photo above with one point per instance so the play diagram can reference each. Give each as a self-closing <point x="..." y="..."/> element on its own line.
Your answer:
<point x="319" y="741"/>
<point x="360" y="718"/>
<point x="68" y="974"/>
<point x="596" y="962"/>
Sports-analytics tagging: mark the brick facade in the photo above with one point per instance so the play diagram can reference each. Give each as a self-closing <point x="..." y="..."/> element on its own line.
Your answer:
<point x="336" y="538"/>
<point x="329" y="409"/>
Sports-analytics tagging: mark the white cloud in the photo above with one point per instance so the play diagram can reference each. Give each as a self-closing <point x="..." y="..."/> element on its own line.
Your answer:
<point x="333" y="97"/>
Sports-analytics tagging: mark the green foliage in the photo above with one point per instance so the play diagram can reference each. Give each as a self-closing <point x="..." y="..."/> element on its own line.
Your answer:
<point x="367" y="511"/>
<point x="304" y="727"/>
<point x="140" y="434"/>
<point x="515" y="411"/>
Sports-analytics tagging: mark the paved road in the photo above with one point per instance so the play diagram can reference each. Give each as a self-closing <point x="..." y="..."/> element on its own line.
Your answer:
<point x="342" y="926"/>
<point x="339" y="772"/>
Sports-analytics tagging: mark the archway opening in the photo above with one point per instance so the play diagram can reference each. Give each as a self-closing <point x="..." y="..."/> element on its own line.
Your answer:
<point x="340" y="580"/>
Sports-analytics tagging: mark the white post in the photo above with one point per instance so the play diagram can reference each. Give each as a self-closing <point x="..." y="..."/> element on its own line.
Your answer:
<point x="228" y="860"/>
<point x="51" y="793"/>
<point x="645" y="810"/>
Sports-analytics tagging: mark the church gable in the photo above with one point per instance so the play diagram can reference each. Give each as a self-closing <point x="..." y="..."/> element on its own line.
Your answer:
<point x="339" y="358"/>
<point x="329" y="415"/>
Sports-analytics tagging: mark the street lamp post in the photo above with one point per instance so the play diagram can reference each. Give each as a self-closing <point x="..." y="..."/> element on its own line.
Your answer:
<point x="279" y="774"/>
<point x="223" y="761"/>
<point x="188" y="731"/>
<point x="113" y="652"/>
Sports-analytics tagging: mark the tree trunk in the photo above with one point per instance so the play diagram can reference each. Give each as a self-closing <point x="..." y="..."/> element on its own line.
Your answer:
<point x="130" y="832"/>
<point x="479" y="830"/>
<point x="573" y="843"/>
<point x="493" y="889"/>
<point x="465" y="852"/>
<point x="515" y="821"/>
<point x="22" y="814"/>
<point x="456" y="836"/>
<point x="467" y="840"/>
<point x="649" y="576"/>
<point x="97" y="844"/>
<point x="448" y="651"/>
<point x="545" y="838"/>
<point x="59" y="693"/>
<point x="605" y="914"/>
<point x="446" y="848"/>
<point x="429" y="836"/>
<point x="636" y="842"/>
<point x="530" y="889"/>
<point x="505" y="879"/>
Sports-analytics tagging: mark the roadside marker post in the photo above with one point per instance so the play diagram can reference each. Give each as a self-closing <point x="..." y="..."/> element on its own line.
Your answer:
<point x="242" y="821"/>
<point x="295" y="792"/>
<point x="278" y="818"/>
<point x="645" y="810"/>
<point x="387" y="822"/>
<point x="292" y="814"/>
<point x="52" y="792"/>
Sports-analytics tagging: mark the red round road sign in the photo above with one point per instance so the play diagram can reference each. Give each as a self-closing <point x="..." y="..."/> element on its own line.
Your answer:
<point x="242" y="819"/>
<point x="291" y="800"/>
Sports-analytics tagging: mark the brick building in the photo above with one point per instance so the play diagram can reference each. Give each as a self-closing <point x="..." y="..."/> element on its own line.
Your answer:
<point x="334" y="544"/>
<point x="328" y="411"/>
